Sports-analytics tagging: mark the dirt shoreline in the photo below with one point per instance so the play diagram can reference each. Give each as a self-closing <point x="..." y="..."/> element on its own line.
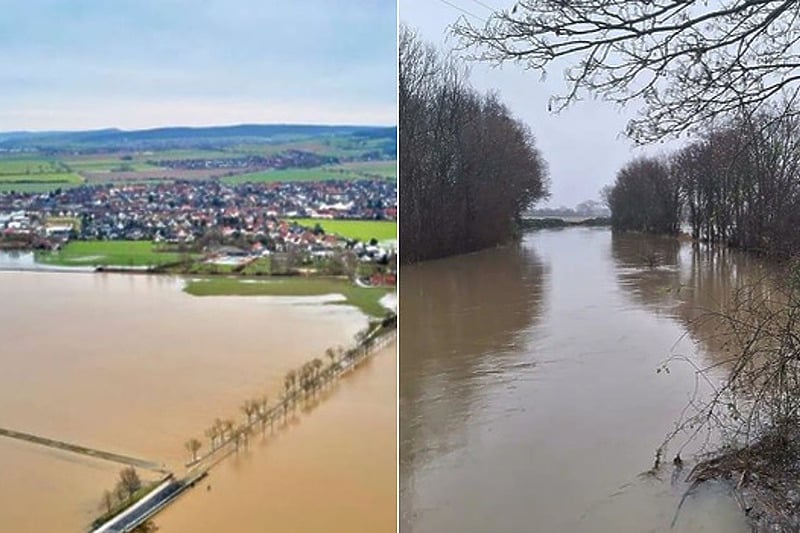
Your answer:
<point x="764" y="478"/>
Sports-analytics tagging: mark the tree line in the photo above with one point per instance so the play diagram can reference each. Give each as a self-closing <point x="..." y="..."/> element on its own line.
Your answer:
<point x="299" y="384"/>
<point x="738" y="185"/>
<point x="467" y="167"/>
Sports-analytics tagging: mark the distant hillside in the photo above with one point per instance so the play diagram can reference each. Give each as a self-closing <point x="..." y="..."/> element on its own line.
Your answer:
<point x="184" y="137"/>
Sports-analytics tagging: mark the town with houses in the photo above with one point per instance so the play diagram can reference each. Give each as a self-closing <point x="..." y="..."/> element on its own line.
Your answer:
<point x="232" y="222"/>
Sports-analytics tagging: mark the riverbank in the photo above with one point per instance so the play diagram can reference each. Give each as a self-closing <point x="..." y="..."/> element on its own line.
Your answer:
<point x="756" y="333"/>
<point x="764" y="477"/>
<point x="531" y="224"/>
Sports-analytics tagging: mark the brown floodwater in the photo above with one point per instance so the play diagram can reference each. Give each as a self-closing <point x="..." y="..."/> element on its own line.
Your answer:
<point x="529" y="396"/>
<point x="132" y="364"/>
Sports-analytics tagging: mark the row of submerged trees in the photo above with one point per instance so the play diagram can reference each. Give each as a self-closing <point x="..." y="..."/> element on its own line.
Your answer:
<point x="299" y="384"/>
<point x="738" y="185"/>
<point x="123" y="493"/>
<point x="467" y="167"/>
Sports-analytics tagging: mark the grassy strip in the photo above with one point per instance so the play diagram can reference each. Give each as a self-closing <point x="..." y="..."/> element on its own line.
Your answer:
<point x="119" y="508"/>
<point x="363" y="230"/>
<point x="367" y="300"/>
<point x="10" y="166"/>
<point x="50" y="177"/>
<point x="104" y="165"/>
<point x="108" y="253"/>
<point x="293" y="174"/>
<point x="35" y="187"/>
<point x="386" y="169"/>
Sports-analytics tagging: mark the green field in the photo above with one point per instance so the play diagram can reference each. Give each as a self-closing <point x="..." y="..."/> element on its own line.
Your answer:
<point x="363" y="230"/>
<point x="108" y="253"/>
<point x="107" y="165"/>
<point x="38" y="182"/>
<point x="344" y="171"/>
<point x="325" y="145"/>
<point x="29" y="166"/>
<point x="365" y="299"/>
<point x="384" y="169"/>
<point x="52" y="177"/>
<point x="293" y="174"/>
<point x="40" y="187"/>
<point x="171" y="155"/>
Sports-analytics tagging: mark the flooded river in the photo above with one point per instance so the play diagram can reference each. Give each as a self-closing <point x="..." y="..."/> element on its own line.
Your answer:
<point x="131" y="364"/>
<point x="529" y="397"/>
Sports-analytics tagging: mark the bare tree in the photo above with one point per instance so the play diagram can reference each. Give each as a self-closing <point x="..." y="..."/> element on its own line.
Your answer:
<point x="193" y="446"/>
<point x="107" y="502"/>
<point x="212" y="433"/>
<point x="129" y="481"/>
<point x="738" y="185"/>
<point x="468" y="167"/>
<point x="688" y="61"/>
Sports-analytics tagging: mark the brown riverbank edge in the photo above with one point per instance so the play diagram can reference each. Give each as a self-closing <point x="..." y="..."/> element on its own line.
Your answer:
<point x="764" y="478"/>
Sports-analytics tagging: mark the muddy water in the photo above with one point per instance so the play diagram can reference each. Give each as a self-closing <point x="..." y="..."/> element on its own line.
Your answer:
<point x="334" y="468"/>
<point x="529" y="397"/>
<point x="131" y="364"/>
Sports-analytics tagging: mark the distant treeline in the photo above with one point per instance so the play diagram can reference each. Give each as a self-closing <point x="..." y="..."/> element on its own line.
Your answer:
<point x="738" y="185"/>
<point x="467" y="167"/>
<point x="530" y="224"/>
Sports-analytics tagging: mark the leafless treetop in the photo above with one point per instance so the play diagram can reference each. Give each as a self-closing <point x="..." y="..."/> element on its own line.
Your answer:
<point x="686" y="61"/>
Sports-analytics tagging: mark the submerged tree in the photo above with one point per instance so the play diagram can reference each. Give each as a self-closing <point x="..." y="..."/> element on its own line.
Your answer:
<point x="688" y="61"/>
<point x="645" y="197"/>
<point x="129" y="481"/>
<point x="468" y="168"/>
<point x="737" y="185"/>
<point x="213" y="433"/>
<point x="107" y="502"/>
<point x="193" y="446"/>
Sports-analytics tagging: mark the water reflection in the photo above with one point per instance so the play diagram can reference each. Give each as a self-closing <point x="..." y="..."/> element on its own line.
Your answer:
<point x="462" y="322"/>
<point x="529" y="397"/>
<point x="690" y="282"/>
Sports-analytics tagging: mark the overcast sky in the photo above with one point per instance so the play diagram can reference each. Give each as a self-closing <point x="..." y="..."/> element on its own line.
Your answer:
<point x="583" y="146"/>
<point x="83" y="64"/>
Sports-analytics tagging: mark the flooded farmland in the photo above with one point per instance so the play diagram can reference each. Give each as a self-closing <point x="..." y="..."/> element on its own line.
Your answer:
<point x="131" y="364"/>
<point x="529" y="397"/>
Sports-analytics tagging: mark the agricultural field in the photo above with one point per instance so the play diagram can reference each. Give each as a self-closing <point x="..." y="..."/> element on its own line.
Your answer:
<point x="365" y="299"/>
<point x="40" y="182"/>
<point x="113" y="157"/>
<point x="34" y="187"/>
<point x="343" y="171"/>
<point x="24" y="167"/>
<point x="329" y="146"/>
<point x="108" y="253"/>
<point x="293" y="174"/>
<point x="106" y="165"/>
<point x="363" y="230"/>
<point x="384" y="169"/>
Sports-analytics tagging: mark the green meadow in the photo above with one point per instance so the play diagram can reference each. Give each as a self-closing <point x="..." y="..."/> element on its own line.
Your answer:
<point x="108" y="253"/>
<point x="363" y="230"/>
<point x="293" y="174"/>
<point x="15" y="167"/>
<point x="365" y="299"/>
<point x="38" y="182"/>
<point x="106" y="165"/>
<point x="384" y="169"/>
